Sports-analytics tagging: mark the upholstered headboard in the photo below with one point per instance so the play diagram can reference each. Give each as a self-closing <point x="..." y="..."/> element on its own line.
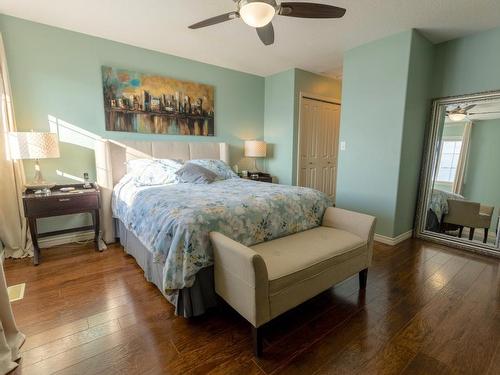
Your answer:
<point x="111" y="157"/>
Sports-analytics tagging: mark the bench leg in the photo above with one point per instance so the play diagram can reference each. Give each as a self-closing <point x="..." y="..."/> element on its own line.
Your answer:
<point x="363" y="276"/>
<point x="257" y="341"/>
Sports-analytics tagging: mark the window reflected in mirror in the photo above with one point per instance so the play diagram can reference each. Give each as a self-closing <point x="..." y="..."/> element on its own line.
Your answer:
<point x="464" y="197"/>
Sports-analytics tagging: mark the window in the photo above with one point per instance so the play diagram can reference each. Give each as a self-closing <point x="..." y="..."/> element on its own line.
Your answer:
<point x="450" y="153"/>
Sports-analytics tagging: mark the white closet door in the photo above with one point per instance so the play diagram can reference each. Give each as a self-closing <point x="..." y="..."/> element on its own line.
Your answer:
<point x="318" y="145"/>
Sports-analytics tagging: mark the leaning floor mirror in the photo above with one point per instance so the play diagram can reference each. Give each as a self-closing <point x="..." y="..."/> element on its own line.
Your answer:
<point x="459" y="199"/>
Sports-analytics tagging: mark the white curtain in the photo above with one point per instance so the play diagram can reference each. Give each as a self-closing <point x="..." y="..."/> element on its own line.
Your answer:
<point x="13" y="226"/>
<point x="11" y="339"/>
<point x="458" y="183"/>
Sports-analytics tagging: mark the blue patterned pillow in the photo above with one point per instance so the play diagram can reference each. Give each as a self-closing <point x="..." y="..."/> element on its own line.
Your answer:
<point x="221" y="169"/>
<point x="149" y="172"/>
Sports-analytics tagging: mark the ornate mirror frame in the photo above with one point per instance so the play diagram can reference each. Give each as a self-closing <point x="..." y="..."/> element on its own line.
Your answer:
<point x="428" y="169"/>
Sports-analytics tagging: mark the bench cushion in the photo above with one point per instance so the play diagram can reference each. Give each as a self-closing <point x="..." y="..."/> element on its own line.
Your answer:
<point x="304" y="255"/>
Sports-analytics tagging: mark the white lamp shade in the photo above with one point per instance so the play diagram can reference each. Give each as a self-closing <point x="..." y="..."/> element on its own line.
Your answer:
<point x="255" y="149"/>
<point x="33" y="145"/>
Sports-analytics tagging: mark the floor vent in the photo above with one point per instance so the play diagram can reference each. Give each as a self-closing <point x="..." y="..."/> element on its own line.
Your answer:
<point x="16" y="292"/>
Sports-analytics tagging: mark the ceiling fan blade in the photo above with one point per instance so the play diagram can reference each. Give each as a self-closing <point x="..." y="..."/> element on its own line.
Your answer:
<point x="483" y="113"/>
<point x="310" y="10"/>
<point x="266" y="34"/>
<point x="215" y="20"/>
<point x="469" y="107"/>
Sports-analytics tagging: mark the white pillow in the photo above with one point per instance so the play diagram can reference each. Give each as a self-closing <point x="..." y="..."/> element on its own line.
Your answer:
<point x="136" y="166"/>
<point x="149" y="172"/>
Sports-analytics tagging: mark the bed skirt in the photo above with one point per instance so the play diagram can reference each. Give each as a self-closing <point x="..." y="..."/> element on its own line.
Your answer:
<point x="192" y="301"/>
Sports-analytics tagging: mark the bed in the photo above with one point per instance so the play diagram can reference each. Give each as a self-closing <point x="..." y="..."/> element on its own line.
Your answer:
<point x="165" y="228"/>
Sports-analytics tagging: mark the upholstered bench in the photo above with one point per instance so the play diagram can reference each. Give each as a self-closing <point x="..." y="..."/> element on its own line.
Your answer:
<point x="265" y="280"/>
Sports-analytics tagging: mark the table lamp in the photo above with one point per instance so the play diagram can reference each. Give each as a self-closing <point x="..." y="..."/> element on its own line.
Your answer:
<point x="255" y="149"/>
<point x="35" y="145"/>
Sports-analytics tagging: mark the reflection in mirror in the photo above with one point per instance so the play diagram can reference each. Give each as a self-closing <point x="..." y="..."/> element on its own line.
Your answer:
<point x="464" y="197"/>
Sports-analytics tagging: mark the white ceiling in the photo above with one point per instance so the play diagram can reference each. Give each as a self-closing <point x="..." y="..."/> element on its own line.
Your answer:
<point x="314" y="45"/>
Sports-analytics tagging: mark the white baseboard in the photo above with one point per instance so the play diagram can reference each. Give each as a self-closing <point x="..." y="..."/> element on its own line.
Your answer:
<point x="89" y="235"/>
<point x="65" y="238"/>
<point x="393" y="240"/>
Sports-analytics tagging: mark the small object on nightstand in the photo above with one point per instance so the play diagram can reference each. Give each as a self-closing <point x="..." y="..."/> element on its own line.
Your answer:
<point x="73" y="201"/>
<point x="86" y="182"/>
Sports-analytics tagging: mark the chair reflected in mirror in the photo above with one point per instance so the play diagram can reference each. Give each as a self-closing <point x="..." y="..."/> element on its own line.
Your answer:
<point x="472" y="215"/>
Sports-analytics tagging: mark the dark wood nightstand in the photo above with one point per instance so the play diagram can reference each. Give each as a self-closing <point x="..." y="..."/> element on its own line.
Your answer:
<point x="59" y="203"/>
<point x="263" y="177"/>
<point x="260" y="179"/>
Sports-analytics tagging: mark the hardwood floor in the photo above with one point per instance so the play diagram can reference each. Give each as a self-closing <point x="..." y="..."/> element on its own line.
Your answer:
<point x="427" y="309"/>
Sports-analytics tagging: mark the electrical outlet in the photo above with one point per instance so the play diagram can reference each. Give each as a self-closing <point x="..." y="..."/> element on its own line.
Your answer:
<point x="342" y="146"/>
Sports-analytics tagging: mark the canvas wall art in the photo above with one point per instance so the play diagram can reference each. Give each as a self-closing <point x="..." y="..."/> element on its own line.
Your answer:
<point x="146" y="103"/>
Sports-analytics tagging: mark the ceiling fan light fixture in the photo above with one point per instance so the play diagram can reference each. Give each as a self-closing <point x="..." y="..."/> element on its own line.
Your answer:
<point x="457" y="116"/>
<point x="256" y="13"/>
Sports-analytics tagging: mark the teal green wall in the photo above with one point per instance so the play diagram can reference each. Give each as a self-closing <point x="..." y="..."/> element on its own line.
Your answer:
<point x="58" y="73"/>
<point x="278" y="130"/>
<point x="453" y="129"/>
<point x="374" y="94"/>
<point x="468" y="65"/>
<point x="417" y="115"/>
<point x="385" y="105"/>
<point x="375" y="99"/>
<point x="482" y="182"/>
<point x="315" y="84"/>
<point x="282" y="102"/>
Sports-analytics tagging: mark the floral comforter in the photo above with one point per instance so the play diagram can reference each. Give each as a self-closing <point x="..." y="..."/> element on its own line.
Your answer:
<point x="173" y="221"/>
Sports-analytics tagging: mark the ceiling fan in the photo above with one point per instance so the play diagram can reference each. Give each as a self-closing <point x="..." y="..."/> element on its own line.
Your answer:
<point x="260" y="13"/>
<point x="459" y="113"/>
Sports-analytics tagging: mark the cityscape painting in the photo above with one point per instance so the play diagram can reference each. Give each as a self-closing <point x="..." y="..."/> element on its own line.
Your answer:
<point x="145" y="103"/>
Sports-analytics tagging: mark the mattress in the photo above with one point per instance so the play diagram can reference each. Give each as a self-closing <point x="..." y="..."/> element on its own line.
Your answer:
<point x="192" y="301"/>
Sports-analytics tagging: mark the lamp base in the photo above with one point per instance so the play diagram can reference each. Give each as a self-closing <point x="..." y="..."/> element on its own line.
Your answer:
<point x="256" y="169"/>
<point x="42" y="187"/>
<point x="39" y="185"/>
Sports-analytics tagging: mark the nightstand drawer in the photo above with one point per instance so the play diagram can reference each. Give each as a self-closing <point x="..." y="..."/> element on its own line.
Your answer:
<point x="61" y="205"/>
